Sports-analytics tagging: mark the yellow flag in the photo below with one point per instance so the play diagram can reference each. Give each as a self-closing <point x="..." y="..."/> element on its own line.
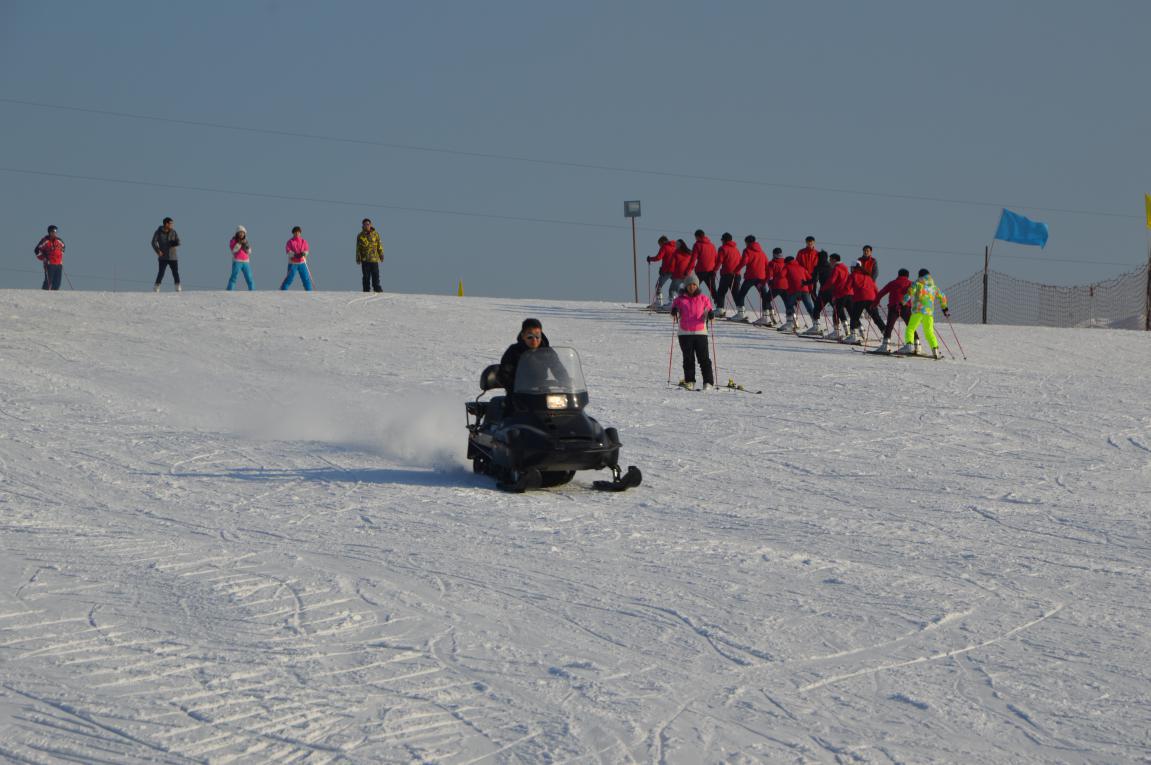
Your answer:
<point x="1147" y="201"/>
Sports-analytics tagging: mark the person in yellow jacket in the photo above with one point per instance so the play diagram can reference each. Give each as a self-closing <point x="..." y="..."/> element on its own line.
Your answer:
<point x="369" y="254"/>
<point x="921" y="298"/>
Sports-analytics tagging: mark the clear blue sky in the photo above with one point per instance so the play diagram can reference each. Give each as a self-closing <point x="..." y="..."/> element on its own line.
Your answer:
<point x="1040" y="106"/>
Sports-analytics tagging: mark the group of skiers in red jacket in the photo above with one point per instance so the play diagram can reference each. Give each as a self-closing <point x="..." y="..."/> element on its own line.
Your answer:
<point x="811" y="277"/>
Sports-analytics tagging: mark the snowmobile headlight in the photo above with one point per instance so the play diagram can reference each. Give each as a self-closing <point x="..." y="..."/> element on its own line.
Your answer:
<point x="557" y="401"/>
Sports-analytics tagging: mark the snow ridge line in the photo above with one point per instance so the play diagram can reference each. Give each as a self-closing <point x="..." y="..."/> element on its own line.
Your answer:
<point x="933" y="657"/>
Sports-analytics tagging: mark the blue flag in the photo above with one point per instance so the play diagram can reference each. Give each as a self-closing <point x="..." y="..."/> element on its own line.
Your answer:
<point x="1016" y="228"/>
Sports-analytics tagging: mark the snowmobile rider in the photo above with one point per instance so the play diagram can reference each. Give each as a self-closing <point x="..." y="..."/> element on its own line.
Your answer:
<point x="531" y="338"/>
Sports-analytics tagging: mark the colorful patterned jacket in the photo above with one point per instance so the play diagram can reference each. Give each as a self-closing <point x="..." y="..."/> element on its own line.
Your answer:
<point x="368" y="247"/>
<point x="921" y="296"/>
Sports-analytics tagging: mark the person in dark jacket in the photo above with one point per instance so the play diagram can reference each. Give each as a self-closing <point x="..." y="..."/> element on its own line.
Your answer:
<point x="822" y="272"/>
<point x="165" y="243"/>
<point x="369" y="255"/>
<point x="50" y="251"/>
<point x="531" y="338"/>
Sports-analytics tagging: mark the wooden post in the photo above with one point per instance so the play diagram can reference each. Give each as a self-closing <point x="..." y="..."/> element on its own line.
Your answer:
<point x="1147" y="301"/>
<point x="986" y="277"/>
<point x="634" y="267"/>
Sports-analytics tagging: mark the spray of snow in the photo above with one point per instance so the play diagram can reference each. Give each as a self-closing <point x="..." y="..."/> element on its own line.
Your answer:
<point x="420" y="428"/>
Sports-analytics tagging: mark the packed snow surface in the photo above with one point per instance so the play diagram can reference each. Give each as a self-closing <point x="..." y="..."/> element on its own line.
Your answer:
<point x="240" y="528"/>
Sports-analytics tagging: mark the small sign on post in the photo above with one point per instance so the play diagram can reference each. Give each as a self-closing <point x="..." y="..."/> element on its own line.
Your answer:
<point x="631" y="209"/>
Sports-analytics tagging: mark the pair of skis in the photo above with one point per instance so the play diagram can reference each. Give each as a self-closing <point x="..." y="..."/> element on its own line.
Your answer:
<point x="894" y="355"/>
<point x="732" y="385"/>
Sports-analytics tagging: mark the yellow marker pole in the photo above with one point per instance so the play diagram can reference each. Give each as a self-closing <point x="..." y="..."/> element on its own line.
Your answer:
<point x="460" y="292"/>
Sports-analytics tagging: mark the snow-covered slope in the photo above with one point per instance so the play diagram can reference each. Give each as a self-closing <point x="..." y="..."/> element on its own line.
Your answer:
<point x="239" y="528"/>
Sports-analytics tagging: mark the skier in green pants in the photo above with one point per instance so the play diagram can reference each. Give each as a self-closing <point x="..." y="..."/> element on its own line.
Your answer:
<point x="921" y="298"/>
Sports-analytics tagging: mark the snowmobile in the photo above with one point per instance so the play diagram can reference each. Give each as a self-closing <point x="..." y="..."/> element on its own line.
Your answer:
<point x="539" y="435"/>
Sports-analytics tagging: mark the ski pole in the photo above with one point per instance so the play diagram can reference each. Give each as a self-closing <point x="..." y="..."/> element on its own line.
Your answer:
<point x="800" y="318"/>
<point x="714" y="356"/>
<point x="940" y="338"/>
<point x="66" y="277"/>
<point x="670" y="349"/>
<point x="961" y="351"/>
<point x="871" y="323"/>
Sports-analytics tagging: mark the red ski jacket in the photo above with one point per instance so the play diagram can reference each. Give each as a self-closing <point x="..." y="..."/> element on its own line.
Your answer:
<point x="870" y="265"/>
<point x="837" y="282"/>
<point x="895" y="290"/>
<point x="681" y="264"/>
<point x="798" y="279"/>
<point x="777" y="274"/>
<point x="729" y="258"/>
<point x="754" y="262"/>
<point x="808" y="257"/>
<point x="664" y="256"/>
<point x="862" y="286"/>
<point x="51" y="251"/>
<point x="706" y="258"/>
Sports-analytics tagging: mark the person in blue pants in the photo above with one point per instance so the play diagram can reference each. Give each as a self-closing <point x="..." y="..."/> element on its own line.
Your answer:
<point x="241" y="257"/>
<point x="297" y="249"/>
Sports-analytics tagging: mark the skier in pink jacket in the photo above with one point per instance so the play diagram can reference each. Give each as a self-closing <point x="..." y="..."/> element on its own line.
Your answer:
<point x="693" y="310"/>
<point x="297" y="250"/>
<point x="241" y="259"/>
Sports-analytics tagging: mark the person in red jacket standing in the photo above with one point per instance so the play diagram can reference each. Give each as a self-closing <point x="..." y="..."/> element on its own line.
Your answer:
<point x="776" y="287"/>
<point x="869" y="264"/>
<point x="682" y="264"/>
<point x="832" y="291"/>
<point x="729" y="260"/>
<point x="798" y="289"/>
<point x="863" y="294"/>
<point x="894" y="290"/>
<point x="664" y="257"/>
<point x="50" y="251"/>
<point x="754" y="264"/>
<point x="841" y="295"/>
<point x="808" y="257"/>
<point x="706" y="261"/>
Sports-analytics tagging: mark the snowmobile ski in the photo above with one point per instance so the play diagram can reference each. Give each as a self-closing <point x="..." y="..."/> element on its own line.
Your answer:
<point x="620" y="481"/>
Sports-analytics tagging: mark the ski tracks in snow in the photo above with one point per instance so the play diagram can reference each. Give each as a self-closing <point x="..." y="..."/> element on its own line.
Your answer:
<point x="870" y="562"/>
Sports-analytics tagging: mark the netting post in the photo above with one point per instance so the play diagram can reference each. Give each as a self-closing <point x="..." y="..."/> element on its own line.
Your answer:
<point x="1147" y="299"/>
<point x="986" y="277"/>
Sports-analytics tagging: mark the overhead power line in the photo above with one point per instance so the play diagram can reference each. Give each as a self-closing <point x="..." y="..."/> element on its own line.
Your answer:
<point x="492" y="216"/>
<point x="556" y="163"/>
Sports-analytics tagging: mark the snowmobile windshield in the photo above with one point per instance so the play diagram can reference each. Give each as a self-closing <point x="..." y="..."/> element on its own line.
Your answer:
<point x="549" y="370"/>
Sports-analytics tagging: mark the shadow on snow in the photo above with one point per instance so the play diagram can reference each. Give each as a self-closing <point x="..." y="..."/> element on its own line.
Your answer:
<point x="447" y="477"/>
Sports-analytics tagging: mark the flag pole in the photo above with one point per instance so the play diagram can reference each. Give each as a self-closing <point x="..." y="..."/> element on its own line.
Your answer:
<point x="986" y="275"/>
